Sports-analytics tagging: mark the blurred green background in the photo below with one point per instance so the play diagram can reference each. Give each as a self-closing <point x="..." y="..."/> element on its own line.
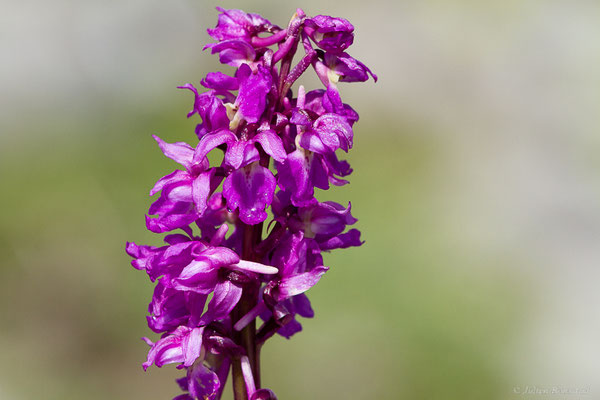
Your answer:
<point x="475" y="185"/>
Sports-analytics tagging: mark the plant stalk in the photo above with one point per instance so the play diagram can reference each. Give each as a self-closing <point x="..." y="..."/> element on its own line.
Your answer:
<point x="247" y="336"/>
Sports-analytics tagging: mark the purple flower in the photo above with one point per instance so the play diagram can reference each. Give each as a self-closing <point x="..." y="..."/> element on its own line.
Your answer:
<point x="219" y="274"/>
<point x="348" y="69"/>
<point x="327" y="134"/>
<point x="210" y="108"/>
<point x="243" y="152"/>
<point x="236" y="24"/>
<point x="322" y="222"/>
<point x="299" y="174"/>
<point x="183" y="193"/>
<point x="300" y="268"/>
<point x="234" y="52"/>
<point x="329" y="33"/>
<point x="317" y="166"/>
<point x="170" y="308"/>
<point x="181" y="346"/>
<point x="250" y="189"/>
<point x="319" y="103"/>
<point x="254" y="87"/>
<point x="200" y="383"/>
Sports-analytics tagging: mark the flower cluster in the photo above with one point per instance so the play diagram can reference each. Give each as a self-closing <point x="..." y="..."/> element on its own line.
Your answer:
<point x="218" y="274"/>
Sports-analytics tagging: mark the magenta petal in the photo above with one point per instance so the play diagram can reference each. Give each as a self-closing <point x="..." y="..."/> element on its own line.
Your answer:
<point x="240" y="153"/>
<point x="176" y="176"/>
<point x="195" y="268"/>
<point x="174" y="208"/>
<point x="328" y="218"/>
<point x="251" y="155"/>
<point x="296" y="284"/>
<point x="233" y="52"/>
<point x="310" y="140"/>
<point x="332" y="100"/>
<point x="252" y="96"/>
<point x="334" y="131"/>
<point x="167" y="309"/>
<point x="290" y="329"/>
<point x="219" y="235"/>
<point x="238" y="24"/>
<point x="178" y="252"/>
<point x="287" y="255"/>
<point x="212" y="111"/>
<point x="203" y="383"/>
<point x="300" y="117"/>
<point x="348" y="68"/>
<point x="143" y="256"/>
<point x="221" y="256"/>
<point x="220" y="81"/>
<point x="191" y="87"/>
<point x="165" y="351"/>
<point x="271" y="144"/>
<point x="235" y="154"/>
<point x="180" y="152"/>
<point x="202" y="274"/>
<point x="201" y="191"/>
<point x="179" y="193"/>
<point x="225" y="297"/>
<point x="329" y="33"/>
<point x="191" y="346"/>
<point x="345" y="240"/>
<point x="176" y="238"/>
<point x="251" y="190"/>
<point x="212" y="140"/>
<point x="302" y="306"/>
<point x="294" y="176"/>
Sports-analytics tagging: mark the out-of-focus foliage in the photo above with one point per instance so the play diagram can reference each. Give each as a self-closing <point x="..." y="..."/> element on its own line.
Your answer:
<point x="475" y="186"/>
<point x="400" y="317"/>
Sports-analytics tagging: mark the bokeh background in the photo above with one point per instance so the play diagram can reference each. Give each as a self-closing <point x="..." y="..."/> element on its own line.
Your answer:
<point x="476" y="188"/>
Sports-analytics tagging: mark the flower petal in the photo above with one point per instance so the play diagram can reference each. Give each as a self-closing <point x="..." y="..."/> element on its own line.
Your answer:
<point x="271" y="144"/>
<point x="212" y="140"/>
<point x="343" y="241"/>
<point x="334" y="131"/>
<point x="330" y="33"/>
<point x="252" y="96"/>
<point x="180" y="152"/>
<point x="192" y="346"/>
<point x="224" y="300"/>
<point x="201" y="190"/>
<point x="174" y="177"/>
<point x="296" y="284"/>
<point x="219" y="81"/>
<point x="203" y="383"/>
<point x="233" y="52"/>
<point x="302" y="306"/>
<point x="240" y="153"/>
<point x="250" y="189"/>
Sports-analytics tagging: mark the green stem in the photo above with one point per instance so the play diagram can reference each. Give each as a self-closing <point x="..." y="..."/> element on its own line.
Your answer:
<point x="247" y="336"/>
